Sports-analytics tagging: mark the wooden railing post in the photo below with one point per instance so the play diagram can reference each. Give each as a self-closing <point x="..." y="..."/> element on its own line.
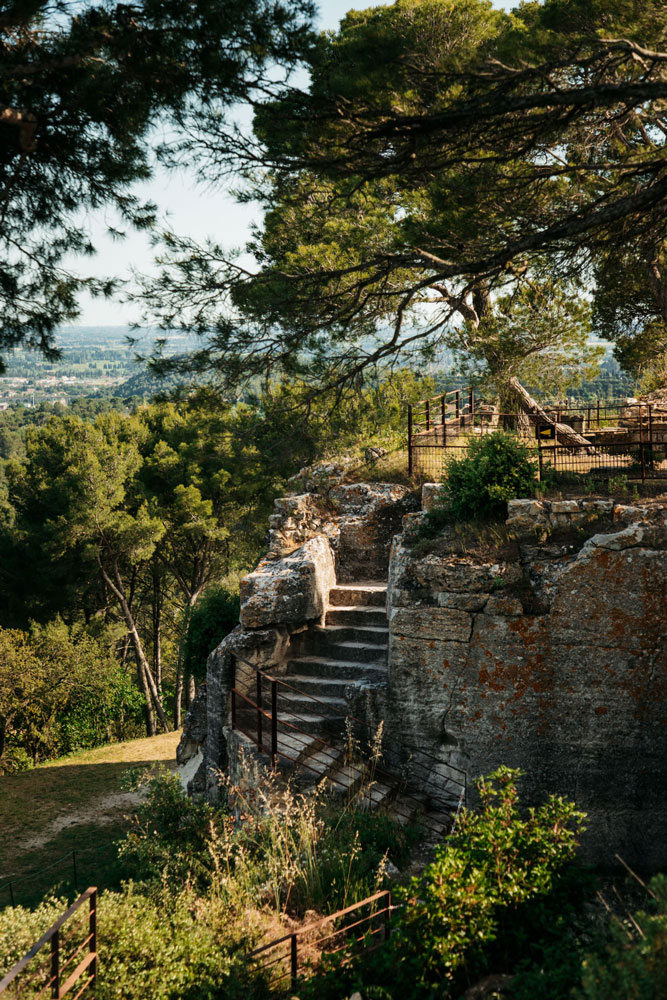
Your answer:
<point x="293" y="962"/>
<point x="457" y="401"/>
<point x="443" y="417"/>
<point x="428" y="414"/>
<point x="233" y="708"/>
<point x="259" y="711"/>
<point x="55" y="964"/>
<point x="274" y="722"/>
<point x="472" y="405"/>
<point x="92" y="930"/>
<point x="410" y="440"/>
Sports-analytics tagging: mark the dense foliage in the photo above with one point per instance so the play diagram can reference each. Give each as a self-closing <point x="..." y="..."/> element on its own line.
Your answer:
<point x="214" y="617"/>
<point x="207" y="886"/>
<point x="496" y="468"/>
<point x="502" y="901"/>
<point x="454" y="175"/>
<point x="496" y="892"/>
<point x="62" y="689"/>
<point x="131" y="519"/>
<point x="87" y="91"/>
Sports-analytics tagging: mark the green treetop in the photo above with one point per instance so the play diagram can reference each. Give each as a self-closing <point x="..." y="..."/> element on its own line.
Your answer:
<point x="83" y="90"/>
<point x="445" y="159"/>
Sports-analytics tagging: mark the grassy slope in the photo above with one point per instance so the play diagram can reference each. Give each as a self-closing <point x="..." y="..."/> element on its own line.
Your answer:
<point x="74" y="803"/>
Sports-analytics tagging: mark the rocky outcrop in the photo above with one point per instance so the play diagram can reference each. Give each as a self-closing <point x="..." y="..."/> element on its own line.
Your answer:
<point x="359" y="521"/>
<point x="542" y="647"/>
<point x="291" y="590"/>
<point x="336" y="532"/>
<point x="553" y="660"/>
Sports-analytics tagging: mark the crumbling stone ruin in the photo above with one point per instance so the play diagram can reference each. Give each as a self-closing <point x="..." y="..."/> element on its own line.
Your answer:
<point x="543" y="647"/>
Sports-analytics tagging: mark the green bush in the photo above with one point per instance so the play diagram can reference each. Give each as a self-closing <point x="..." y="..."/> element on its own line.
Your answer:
<point x="498" y="886"/>
<point x="170" y="834"/>
<point x="166" y="946"/>
<point x="630" y="960"/>
<point x="497" y="468"/>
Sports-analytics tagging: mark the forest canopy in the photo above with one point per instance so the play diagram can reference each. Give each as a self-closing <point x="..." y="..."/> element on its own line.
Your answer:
<point x="92" y="95"/>
<point x="447" y="165"/>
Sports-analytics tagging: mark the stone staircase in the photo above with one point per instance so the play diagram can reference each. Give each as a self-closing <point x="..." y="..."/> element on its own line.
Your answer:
<point x="351" y="647"/>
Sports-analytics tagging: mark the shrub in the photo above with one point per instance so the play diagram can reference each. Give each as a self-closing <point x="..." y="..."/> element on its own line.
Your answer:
<point x="500" y="882"/>
<point x="166" y="946"/>
<point x="496" y="469"/>
<point x="631" y="959"/>
<point x="170" y="834"/>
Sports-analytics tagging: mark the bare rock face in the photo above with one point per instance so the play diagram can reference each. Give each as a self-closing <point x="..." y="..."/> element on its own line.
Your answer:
<point x="555" y="663"/>
<point x="359" y="521"/>
<point x="291" y="590"/>
<point x="430" y="495"/>
<point x="194" y="729"/>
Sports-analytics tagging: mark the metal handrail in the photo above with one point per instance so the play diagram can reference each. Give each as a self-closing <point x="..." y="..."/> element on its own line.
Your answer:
<point x="292" y="954"/>
<point x="52" y="936"/>
<point x="381" y="773"/>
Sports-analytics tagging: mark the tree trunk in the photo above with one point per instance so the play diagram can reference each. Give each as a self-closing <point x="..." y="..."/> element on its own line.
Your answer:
<point x="142" y="661"/>
<point x="565" y="434"/>
<point x="191" y="691"/>
<point x="178" y="698"/>
<point x="148" y="708"/>
<point x="157" y="627"/>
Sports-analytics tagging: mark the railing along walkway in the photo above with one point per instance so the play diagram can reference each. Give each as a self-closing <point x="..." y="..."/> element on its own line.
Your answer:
<point x="289" y="738"/>
<point x="364" y="926"/>
<point x="49" y="981"/>
<point x="620" y="437"/>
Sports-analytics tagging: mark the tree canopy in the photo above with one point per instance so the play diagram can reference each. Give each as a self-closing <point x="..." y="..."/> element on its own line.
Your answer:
<point x="445" y="156"/>
<point x="84" y="88"/>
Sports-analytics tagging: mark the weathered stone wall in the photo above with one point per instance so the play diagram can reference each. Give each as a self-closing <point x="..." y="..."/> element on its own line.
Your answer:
<point x="552" y="659"/>
<point x="358" y="519"/>
<point x="335" y="532"/>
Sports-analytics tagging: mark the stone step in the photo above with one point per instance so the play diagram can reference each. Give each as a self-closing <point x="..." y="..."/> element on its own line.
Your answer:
<point x="377" y="635"/>
<point x="318" y="764"/>
<point x="351" y="594"/>
<point x="328" y="666"/>
<point x="326" y="705"/>
<point x="361" y="614"/>
<point x="294" y="748"/>
<point x="318" y="686"/>
<point x="375" y="795"/>
<point x="331" y="726"/>
<point x="345" y="779"/>
<point x="359" y="652"/>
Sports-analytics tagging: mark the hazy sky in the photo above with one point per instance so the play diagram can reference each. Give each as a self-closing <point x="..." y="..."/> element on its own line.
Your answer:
<point x="187" y="209"/>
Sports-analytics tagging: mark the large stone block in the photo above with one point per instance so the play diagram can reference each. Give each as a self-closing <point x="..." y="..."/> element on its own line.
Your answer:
<point x="430" y="495"/>
<point x="291" y="590"/>
<point x="447" y="624"/>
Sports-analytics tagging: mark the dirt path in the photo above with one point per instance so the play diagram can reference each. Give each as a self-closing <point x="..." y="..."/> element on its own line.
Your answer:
<point x="74" y="803"/>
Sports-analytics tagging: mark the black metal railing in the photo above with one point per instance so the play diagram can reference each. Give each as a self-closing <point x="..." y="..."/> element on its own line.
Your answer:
<point x="620" y="437"/>
<point x="46" y="975"/>
<point x="347" y="742"/>
<point x="364" y="926"/>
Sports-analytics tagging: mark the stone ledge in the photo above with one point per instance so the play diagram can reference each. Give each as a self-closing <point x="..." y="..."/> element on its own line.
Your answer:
<point x="291" y="590"/>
